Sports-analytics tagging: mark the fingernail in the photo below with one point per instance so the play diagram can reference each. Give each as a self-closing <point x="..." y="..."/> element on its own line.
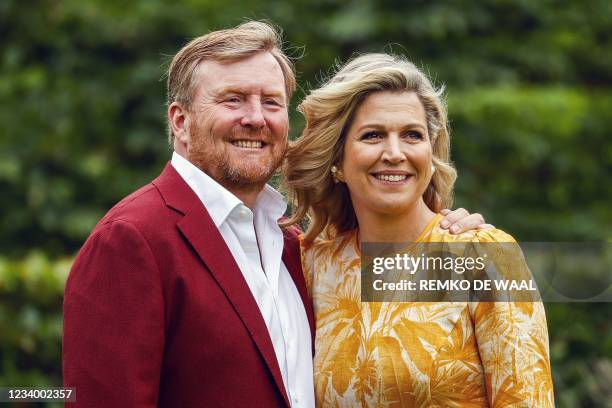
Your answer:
<point x="444" y="224"/>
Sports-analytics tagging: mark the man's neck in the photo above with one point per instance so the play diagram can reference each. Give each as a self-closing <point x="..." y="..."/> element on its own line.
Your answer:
<point x="247" y="193"/>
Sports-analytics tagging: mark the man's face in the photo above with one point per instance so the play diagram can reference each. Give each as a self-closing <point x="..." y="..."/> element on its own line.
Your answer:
<point x="238" y="123"/>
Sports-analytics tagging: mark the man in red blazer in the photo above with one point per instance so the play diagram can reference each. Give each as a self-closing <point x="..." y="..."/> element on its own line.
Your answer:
<point x="187" y="293"/>
<point x="179" y="298"/>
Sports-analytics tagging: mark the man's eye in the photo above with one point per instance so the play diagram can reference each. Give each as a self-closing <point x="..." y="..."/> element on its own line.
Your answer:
<point x="371" y="135"/>
<point x="272" y="102"/>
<point x="232" y="99"/>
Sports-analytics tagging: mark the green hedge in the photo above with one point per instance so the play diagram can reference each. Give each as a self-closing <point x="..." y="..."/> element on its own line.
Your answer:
<point x="535" y="160"/>
<point x="529" y="83"/>
<point x="31" y="292"/>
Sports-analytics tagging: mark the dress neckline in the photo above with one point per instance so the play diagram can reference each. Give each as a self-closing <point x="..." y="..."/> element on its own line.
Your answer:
<point x="432" y="224"/>
<point x="422" y="235"/>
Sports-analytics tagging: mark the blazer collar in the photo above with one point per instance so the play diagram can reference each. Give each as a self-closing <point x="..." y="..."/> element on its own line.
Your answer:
<point x="201" y="232"/>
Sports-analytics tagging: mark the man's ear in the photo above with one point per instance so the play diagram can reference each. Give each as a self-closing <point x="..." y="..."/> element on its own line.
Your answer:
<point x="178" y="119"/>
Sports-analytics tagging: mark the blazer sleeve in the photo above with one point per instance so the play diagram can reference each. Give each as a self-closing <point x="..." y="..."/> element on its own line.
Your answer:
<point x="114" y="321"/>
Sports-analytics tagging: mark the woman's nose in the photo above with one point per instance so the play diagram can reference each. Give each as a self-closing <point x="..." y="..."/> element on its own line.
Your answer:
<point x="393" y="152"/>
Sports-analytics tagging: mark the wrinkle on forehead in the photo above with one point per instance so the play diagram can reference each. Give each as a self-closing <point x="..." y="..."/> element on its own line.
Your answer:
<point x="390" y="109"/>
<point x="259" y="74"/>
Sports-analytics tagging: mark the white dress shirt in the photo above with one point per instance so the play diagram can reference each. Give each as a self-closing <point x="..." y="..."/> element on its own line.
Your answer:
<point x="256" y="242"/>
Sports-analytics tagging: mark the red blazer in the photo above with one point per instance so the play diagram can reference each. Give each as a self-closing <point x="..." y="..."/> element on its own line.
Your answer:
<point x="157" y="313"/>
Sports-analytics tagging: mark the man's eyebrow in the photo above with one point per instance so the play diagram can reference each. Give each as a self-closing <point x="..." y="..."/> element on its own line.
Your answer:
<point x="235" y="90"/>
<point x="227" y="90"/>
<point x="274" y="94"/>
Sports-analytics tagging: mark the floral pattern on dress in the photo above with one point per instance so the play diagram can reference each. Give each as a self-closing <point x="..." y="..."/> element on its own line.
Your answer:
<point x="451" y="354"/>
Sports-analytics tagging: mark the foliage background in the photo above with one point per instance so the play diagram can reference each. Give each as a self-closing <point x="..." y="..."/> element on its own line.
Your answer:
<point x="82" y="124"/>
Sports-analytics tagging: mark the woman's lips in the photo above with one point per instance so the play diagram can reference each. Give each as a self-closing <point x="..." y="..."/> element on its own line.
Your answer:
<point x="390" y="177"/>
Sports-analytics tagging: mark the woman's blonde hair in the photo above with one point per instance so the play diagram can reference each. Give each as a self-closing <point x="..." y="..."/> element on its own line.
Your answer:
<point x="329" y="111"/>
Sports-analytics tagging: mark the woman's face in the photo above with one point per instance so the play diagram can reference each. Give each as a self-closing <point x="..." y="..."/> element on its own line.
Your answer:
<point x="387" y="155"/>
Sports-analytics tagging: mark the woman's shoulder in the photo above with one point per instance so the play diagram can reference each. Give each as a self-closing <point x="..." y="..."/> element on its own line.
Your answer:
<point x="438" y="234"/>
<point x="325" y="259"/>
<point x="331" y="248"/>
<point x="322" y="242"/>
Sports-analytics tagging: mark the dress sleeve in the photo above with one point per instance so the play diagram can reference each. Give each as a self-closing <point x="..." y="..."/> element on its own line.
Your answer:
<point x="114" y="321"/>
<point x="512" y="340"/>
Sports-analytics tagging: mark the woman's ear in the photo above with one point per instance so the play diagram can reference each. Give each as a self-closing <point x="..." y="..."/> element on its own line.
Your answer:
<point x="337" y="174"/>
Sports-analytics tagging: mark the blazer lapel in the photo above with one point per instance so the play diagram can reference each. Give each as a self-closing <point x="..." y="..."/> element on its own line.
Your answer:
<point x="201" y="232"/>
<point x="292" y="260"/>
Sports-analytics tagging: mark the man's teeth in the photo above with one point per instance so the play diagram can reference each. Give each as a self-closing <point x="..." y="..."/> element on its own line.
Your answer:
<point x="391" y="177"/>
<point x="247" y="143"/>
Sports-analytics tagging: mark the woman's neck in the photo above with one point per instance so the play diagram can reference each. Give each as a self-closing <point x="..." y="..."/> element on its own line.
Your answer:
<point x="405" y="227"/>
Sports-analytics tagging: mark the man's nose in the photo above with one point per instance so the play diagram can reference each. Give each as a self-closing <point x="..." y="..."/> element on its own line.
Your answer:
<point x="253" y="116"/>
<point x="393" y="150"/>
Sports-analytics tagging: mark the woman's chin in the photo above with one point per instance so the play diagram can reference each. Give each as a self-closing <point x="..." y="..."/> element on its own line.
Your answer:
<point x="394" y="208"/>
<point x="397" y="206"/>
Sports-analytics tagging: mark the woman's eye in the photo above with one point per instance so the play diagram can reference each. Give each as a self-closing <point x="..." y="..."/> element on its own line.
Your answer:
<point x="413" y="134"/>
<point x="370" y="135"/>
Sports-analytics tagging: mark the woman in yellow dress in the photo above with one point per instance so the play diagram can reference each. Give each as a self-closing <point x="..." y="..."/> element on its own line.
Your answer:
<point x="372" y="165"/>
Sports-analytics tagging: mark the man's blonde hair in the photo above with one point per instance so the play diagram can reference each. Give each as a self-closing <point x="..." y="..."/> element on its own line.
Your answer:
<point x="329" y="112"/>
<point x="229" y="45"/>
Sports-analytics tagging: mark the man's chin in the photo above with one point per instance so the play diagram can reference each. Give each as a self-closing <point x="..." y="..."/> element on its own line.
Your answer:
<point x="249" y="177"/>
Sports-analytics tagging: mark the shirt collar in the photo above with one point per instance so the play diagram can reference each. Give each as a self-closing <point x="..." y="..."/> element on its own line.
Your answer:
<point x="271" y="203"/>
<point x="219" y="202"/>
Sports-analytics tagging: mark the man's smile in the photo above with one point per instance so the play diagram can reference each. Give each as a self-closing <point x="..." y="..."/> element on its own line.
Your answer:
<point x="249" y="144"/>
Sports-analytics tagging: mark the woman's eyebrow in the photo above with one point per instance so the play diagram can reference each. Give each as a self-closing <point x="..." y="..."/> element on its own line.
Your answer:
<point x="376" y="125"/>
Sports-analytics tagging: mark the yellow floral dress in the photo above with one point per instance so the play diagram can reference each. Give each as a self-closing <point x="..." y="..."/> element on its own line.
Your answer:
<point x="421" y="354"/>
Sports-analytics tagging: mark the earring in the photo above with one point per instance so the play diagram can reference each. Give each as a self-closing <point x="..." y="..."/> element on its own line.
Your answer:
<point x="433" y="169"/>
<point x="336" y="174"/>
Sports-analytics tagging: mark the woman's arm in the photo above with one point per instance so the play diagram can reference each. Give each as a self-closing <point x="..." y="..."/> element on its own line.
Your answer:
<point x="512" y="336"/>
<point x="513" y="345"/>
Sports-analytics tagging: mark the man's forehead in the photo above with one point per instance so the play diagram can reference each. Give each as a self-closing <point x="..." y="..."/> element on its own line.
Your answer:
<point x="242" y="84"/>
<point x="258" y="71"/>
